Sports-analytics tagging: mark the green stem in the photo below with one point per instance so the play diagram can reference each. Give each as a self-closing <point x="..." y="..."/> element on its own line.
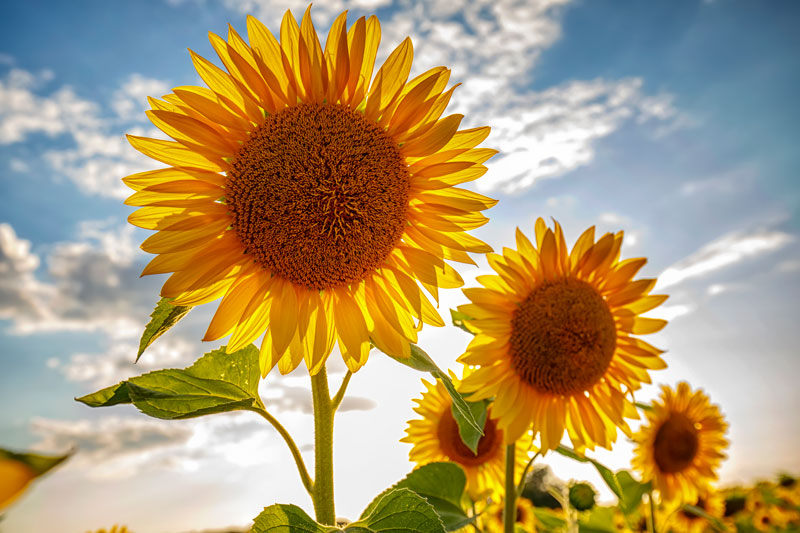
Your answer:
<point x="652" y="513"/>
<point x="298" y="458"/>
<point x="510" y="508"/>
<point x="521" y="485"/>
<point x="337" y="400"/>
<point x="323" y="449"/>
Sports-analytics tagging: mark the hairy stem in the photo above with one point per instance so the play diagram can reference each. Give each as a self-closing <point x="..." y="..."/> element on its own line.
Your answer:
<point x="337" y="399"/>
<point x="510" y="508"/>
<point x="298" y="458"/>
<point x="323" y="449"/>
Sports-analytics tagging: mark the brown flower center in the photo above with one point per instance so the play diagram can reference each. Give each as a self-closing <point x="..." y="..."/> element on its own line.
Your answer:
<point x="676" y="443"/>
<point x="318" y="195"/>
<point x="563" y="337"/>
<point x="455" y="449"/>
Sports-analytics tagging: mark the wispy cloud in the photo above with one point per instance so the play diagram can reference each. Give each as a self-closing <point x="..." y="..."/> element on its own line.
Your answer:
<point x="723" y="252"/>
<point x="100" y="155"/>
<point x="90" y="284"/>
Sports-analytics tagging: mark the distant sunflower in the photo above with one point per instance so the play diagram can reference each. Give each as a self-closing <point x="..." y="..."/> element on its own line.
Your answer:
<point x="554" y="337"/>
<point x="711" y="502"/>
<point x="492" y="518"/>
<point x="682" y="445"/>
<point x="310" y="200"/>
<point x="435" y="437"/>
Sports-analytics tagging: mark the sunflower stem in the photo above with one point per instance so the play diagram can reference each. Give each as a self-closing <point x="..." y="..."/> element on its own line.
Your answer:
<point x="510" y="508"/>
<point x="337" y="399"/>
<point x="521" y="485"/>
<point x="652" y="523"/>
<point x="298" y="458"/>
<point x="323" y="449"/>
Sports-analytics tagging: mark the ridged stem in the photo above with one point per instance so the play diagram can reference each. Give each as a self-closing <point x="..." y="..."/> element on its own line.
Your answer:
<point x="510" y="508"/>
<point x="323" y="449"/>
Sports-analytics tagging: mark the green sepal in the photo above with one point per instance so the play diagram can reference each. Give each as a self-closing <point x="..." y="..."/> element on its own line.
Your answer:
<point x="459" y="320"/>
<point x="442" y="485"/>
<point x="215" y="383"/>
<point x="164" y="316"/>
<point x="467" y="424"/>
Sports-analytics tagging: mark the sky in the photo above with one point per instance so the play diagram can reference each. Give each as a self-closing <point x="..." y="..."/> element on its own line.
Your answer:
<point x="676" y="122"/>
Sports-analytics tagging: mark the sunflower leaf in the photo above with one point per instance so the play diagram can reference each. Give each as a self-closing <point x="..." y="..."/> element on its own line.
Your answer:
<point x="215" y="383"/>
<point x="632" y="491"/>
<point x="164" y="316"/>
<point x="459" y="320"/>
<point x="396" y="510"/>
<point x="598" y="520"/>
<point x="442" y="485"/>
<point x="469" y="436"/>
<point x="281" y="518"/>
<point x="550" y="521"/>
<point x="419" y="360"/>
<point x="605" y="472"/>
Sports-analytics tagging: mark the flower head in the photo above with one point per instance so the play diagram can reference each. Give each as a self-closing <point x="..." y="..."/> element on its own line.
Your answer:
<point x="436" y="437"/>
<point x="555" y="342"/>
<point x="311" y="196"/>
<point x="682" y="445"/>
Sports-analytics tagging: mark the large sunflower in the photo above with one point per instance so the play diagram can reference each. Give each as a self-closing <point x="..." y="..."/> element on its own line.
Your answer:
<point x="435" y="437"/>
<point x="308" y="195"/>
<point x="554" y="337"/>
<point x="681" y="447"/>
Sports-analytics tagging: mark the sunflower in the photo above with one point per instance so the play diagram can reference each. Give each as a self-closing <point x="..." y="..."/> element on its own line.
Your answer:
<point x="680" y="448"/>
<point x="492" y="518"/>
<point x="312" y="201"/>
<point x="435" y="437"/>
<point x="553" y="337"/>
<point x="15" y="476"/>
<point x="711" y="502"/>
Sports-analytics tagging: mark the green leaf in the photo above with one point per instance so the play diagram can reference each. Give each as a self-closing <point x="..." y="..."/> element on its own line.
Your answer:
<point x="550" y="521"/>
<point x="215" y="383"/>
<point x="469" y="436"/>
<point x="163" y="317"/>
<point x="286" y="519"/>
<point x="39" y="464"/>
<point x="598" y="520"/>
<point x="442" y="485"/>
<point x="419" y="360"/>
<point x="398" y="510"/>
<point x="606" y="473"/>
<point x="632" y="492"/>
<point x="458" y="320"/>
<point x="644" y="406"/>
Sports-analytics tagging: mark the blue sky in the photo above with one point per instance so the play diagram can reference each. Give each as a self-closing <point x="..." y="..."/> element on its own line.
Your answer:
<point x="674" y="121"/>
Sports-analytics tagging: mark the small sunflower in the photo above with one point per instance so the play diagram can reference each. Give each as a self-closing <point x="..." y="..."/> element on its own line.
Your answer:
<point x="435" y="437"/>
<point x="711" y="502"/>
<point x="554" y="337"/>
<point x="682" y="445"/>
<point x="312" y="197"/>
<point x="492" y="518"/>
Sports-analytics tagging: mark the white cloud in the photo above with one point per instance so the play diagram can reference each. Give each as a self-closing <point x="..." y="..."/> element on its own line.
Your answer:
<point x="100" y="156"/>
<point x="90" y="284"/>
<point x="131" y="98"/>
<point x="117" y="364"/>
<point x="723" y="252"/>
<point x="671" y="312"/>
<point x="121" y="447"/>
<point x="18" y="165"/>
